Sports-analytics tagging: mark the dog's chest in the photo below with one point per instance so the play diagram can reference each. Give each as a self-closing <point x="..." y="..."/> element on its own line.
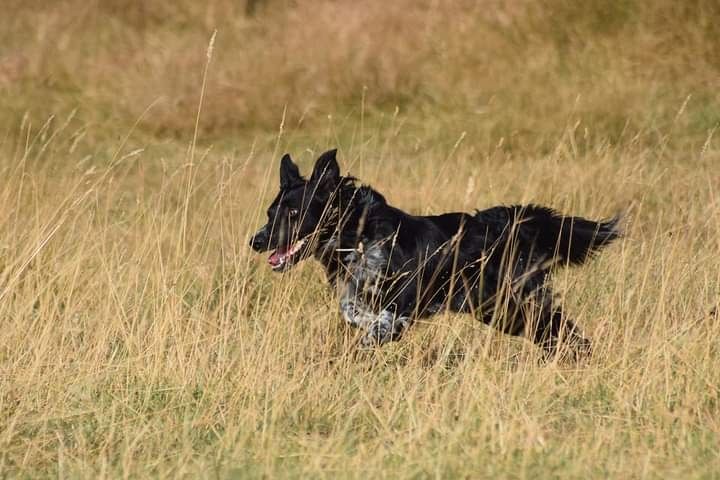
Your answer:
<point x="366" y="269"/>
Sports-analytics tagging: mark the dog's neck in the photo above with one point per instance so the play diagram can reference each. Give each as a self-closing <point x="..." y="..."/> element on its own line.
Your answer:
<point x="346" y="218"/>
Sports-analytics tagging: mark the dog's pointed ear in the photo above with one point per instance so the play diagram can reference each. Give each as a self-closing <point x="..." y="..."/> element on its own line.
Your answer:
<point x="289" y="172"/>
<point x="326" y="173"/>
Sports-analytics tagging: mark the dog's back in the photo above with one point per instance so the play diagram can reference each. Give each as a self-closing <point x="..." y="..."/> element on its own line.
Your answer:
<point x="461" y="260"/>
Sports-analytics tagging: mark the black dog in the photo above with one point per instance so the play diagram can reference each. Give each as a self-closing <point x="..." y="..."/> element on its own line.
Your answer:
<point x="392" y="267"/>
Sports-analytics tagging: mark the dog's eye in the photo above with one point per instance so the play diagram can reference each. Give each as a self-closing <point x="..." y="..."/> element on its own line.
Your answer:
<point x="293" y="212"/>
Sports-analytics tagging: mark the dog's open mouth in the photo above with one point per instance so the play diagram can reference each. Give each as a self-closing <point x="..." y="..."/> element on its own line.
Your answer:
<point x="283" y="256"/>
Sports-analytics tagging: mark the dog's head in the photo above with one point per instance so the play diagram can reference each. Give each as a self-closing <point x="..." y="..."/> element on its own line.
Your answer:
<point x="296" y="215"/>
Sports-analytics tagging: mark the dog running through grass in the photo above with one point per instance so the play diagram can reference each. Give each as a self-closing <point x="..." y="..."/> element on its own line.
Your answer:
<point x="392" y="268"/>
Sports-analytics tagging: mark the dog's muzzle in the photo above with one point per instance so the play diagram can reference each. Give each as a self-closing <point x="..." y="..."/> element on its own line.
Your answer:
<point x="259" y="241"/>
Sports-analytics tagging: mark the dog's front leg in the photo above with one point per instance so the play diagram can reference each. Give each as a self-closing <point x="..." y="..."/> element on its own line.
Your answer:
<point x="354" y="312"/>
<point x="380" y="327"/>
<point x="385" y="328"/>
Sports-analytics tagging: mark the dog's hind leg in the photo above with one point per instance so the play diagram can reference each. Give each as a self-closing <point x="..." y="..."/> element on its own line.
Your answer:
<point x="533" y="312"/>
<point x="537" y="318"/>
<point x="551" y="331"/>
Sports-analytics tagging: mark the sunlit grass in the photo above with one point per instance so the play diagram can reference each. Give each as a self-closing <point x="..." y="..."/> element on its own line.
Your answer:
<point x="140" y="336"/>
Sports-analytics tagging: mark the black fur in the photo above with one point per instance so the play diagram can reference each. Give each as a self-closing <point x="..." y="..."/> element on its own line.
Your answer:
<point x="393" y="267"/>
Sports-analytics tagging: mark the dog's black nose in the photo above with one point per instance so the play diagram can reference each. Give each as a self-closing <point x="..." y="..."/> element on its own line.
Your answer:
<point x="258" y="242"/>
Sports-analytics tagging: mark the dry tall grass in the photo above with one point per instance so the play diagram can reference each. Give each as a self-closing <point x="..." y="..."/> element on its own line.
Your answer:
<point x="141" y="337"/>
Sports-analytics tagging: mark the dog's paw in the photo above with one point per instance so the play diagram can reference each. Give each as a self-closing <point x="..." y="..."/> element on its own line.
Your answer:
<point x="575" y="349"/>
<point x="386" y="328"/>
<point x="378" y="333"/>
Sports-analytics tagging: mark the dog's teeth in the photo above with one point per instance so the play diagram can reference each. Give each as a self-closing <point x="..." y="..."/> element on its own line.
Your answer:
<point x="297" y="246"/>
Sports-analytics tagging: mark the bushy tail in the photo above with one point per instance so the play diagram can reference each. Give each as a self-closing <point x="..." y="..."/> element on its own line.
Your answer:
<point x="552" y="235"/>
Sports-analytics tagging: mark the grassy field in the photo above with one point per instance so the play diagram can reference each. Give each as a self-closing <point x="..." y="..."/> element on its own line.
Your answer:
<point x="139" y="335"/>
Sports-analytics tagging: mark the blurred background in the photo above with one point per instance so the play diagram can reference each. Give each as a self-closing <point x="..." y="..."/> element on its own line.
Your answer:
<point x="518" y="70"/>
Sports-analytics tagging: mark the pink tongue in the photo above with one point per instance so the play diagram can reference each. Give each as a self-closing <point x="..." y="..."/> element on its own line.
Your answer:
<point x="276" y="258"/>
